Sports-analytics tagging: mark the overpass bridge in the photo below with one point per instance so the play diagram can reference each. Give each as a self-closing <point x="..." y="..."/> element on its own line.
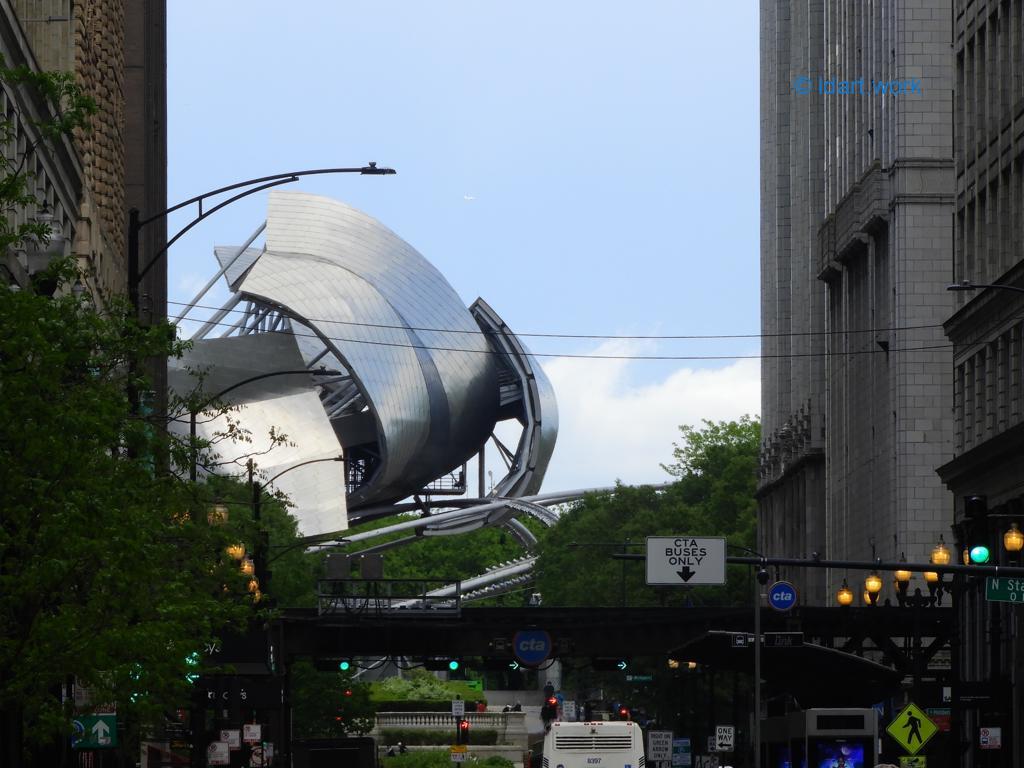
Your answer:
<point x="872" y="650"/>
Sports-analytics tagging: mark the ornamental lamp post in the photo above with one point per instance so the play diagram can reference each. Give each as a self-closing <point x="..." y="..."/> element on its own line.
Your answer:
<point x="262" y="545"/>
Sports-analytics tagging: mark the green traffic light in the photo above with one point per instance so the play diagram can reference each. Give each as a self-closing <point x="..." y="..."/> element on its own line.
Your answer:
<point x="980" y="554"/>
<point x="344" y="666"/>
<point x="453" y="665"/>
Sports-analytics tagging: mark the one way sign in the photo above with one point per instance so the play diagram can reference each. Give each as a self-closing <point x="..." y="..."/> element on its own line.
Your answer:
<point x="685" y="560"/>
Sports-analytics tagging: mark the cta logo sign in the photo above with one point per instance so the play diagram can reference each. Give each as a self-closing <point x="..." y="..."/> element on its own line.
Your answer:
<point x="532" y="646"/>
<point x="782" y="596"/>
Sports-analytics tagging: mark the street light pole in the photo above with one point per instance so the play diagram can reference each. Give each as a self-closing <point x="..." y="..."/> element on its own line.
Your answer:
<point x="136" y="272"/>
<point x="761" y="577"/>
<point x="262" y="545"/>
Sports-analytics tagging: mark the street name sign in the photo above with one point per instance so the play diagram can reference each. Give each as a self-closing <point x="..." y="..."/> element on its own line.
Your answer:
<point x="685" y="560"/>
<point x="682" y="754"/>
<point x="912" y="728"/>
<point x="659" y="746"/>
<point x="783" y="639"/>
<point x="1003" y="590"/>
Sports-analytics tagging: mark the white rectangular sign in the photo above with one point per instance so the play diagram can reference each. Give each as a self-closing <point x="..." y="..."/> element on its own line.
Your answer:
<point x="684" y="560"/>
<point x="233" y="737"/>
<point x="217" y="753"/>
<point x="659" y="745"/>
<point x="725" y="736"/>
<point x="458" y="707"/>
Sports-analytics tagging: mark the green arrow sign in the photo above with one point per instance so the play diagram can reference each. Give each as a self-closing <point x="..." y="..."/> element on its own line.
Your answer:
<point x="1004" y="590"/>
<point x="94" y="731"/>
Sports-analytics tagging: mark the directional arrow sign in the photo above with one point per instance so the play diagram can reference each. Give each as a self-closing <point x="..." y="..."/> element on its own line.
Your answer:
<point x="685" y="560"/>
<point x="513" y="665"/>
<point x="93" y="731"/>
<point x="621" y="665"/>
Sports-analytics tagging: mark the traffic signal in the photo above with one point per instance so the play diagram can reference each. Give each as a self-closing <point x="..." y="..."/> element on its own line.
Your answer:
<point x="462" y="731"/>
<point x="549" y="711"/>
<point x="333" y="664"/>
<point x="605" y="664"/>
<point x="979" y="550"/>
<point x="624" y="713"/>
<point x="442" y="664"/>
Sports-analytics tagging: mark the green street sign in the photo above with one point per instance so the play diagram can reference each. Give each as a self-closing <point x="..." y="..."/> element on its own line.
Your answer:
<point x="94" y="731"/>
<point x="1004" y="590"/>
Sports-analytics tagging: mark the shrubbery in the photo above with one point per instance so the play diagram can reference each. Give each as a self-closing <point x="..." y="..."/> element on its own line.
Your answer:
<point x="440" y="759"/>
<point x="428" y="737"/>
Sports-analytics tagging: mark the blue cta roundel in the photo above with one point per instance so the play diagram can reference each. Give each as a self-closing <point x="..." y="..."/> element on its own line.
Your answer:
<point x="782" y="596"/>
<point x="531" y="646"/>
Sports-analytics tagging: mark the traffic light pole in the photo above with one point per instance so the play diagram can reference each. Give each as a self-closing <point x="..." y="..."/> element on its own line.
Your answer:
<point x="757" y="668"/>
<point x="864" y="565"/>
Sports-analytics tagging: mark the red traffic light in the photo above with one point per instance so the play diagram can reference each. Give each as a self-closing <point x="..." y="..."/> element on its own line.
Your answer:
<point x="624" y="713"/>
<point x="348" y="691"/>
<point x="464" y="725"/>
<point x="552" y="701"/>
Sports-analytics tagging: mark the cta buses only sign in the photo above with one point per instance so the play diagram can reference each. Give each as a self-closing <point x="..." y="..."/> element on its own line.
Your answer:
<point x="684" y="560"/>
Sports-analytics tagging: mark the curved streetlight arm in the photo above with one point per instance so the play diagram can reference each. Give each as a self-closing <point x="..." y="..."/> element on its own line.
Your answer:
<point x="967" y="285"/>
<point x="135" y="223"/>
<point x="202" y="215"/>
<point x="259" y="488"/>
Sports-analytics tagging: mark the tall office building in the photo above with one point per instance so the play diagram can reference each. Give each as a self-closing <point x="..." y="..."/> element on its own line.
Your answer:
<point x="857" y="188"/>
<point x="987" y="332"/>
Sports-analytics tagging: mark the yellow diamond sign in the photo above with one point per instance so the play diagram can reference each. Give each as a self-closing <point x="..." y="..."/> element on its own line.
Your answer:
<point x="911" y="728"/>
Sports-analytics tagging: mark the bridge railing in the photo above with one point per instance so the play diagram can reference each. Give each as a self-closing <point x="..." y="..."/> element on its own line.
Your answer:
<point x="383" y="597"/>
<point x="511" y="726"/>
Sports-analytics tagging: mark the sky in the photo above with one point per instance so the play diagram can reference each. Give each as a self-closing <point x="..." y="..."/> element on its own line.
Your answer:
<point x="588" y="167"/>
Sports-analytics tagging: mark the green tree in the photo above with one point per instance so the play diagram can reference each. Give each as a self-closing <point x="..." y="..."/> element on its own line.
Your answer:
<point x="716" y="474"/>
<point x="107" y="574"/>
<point x="333" y="704"/>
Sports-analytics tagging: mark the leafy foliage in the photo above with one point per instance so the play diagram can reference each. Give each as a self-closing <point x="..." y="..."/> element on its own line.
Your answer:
<point x="447" y="558"/>
<point x="425" y="737"/>
<point x="440" y="759"/>
<point x="341" y="706"/>
<point x="715" y="473"/>
<point x="105" y="575"/>
<point x="418" y="684"/>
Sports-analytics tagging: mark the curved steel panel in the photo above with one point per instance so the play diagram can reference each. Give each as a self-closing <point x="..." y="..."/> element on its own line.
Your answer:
<point x="433" y="393"/>
<point x="538" y="407"/>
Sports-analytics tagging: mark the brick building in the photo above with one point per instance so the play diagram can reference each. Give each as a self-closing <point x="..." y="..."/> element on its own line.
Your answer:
<point x="857" y="203"/>
<point x="117" y="51"/>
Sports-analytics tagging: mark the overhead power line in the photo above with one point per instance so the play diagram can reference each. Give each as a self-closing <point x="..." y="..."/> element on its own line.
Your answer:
<point x="427" y="347"/>
<point x="598" y="336"/>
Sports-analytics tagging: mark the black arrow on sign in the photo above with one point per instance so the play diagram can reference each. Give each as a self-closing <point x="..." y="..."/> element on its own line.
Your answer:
<point x="686" y="574"/>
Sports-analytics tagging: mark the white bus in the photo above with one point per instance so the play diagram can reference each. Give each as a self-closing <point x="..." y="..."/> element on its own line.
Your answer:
<point x="596" y="744"/>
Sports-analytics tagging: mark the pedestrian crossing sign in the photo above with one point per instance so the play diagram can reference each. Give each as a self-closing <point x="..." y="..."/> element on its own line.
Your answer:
<point x="912" y="728"/>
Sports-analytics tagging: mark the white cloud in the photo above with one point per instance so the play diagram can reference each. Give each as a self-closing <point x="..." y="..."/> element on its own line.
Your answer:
<point x="610" y="429"/>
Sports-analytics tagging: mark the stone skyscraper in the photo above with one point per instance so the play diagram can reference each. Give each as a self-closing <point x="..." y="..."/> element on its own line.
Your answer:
<point x="856" y="245"/>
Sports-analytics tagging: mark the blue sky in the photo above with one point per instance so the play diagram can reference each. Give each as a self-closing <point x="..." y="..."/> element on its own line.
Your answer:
<point x="585" y="167"/>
